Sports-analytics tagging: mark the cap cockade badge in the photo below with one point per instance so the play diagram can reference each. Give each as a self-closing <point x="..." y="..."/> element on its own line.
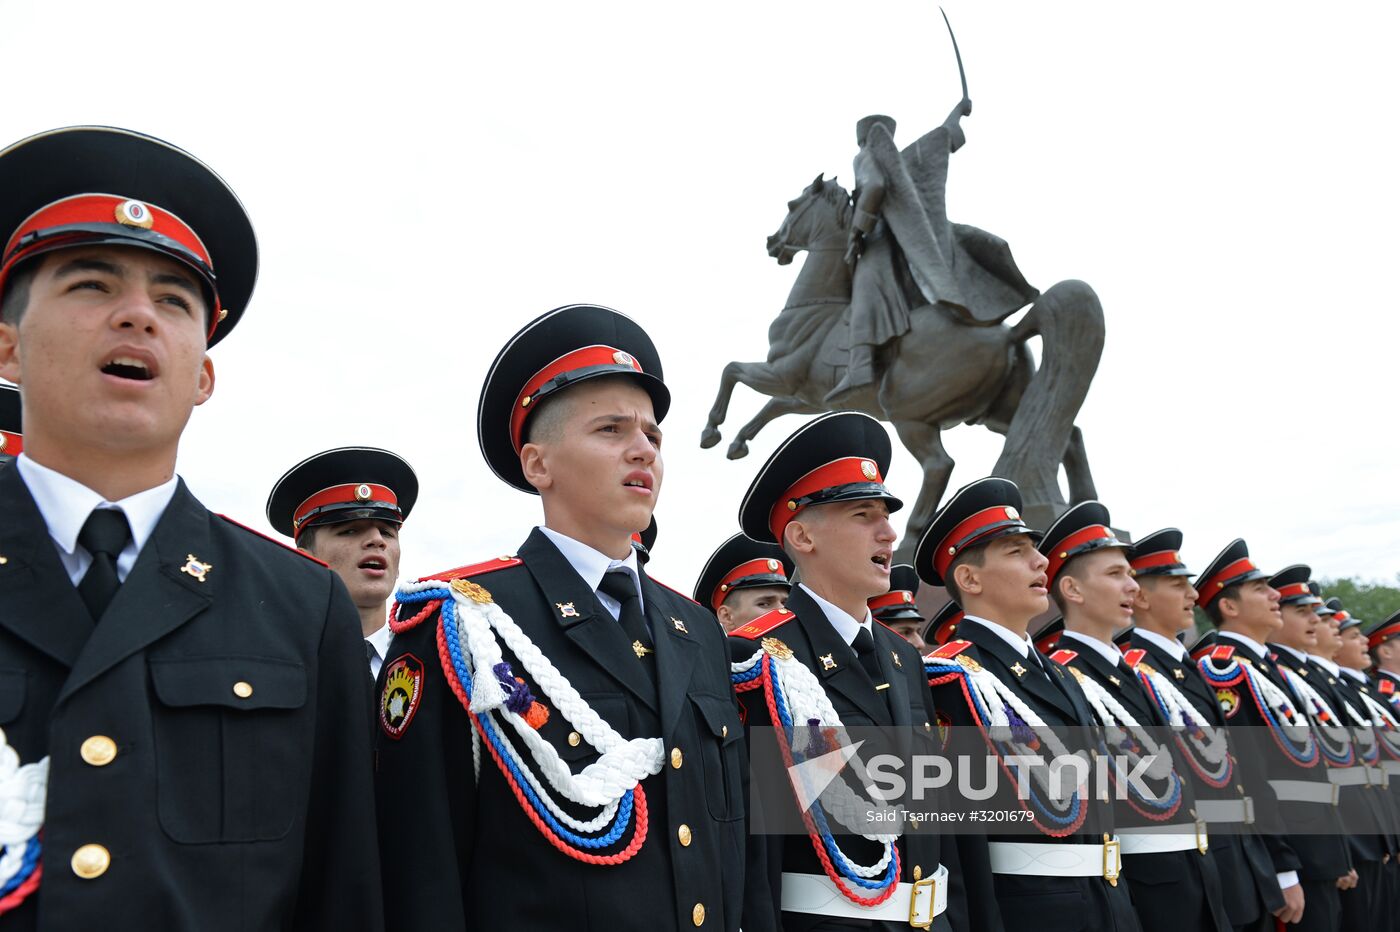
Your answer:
<point x="134" y="214"/>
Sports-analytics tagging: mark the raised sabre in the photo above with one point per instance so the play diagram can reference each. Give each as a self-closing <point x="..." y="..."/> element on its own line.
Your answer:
<point x="956" y="54"/>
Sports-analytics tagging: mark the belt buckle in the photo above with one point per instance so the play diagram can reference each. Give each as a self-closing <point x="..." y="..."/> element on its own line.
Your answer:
<point x="931" y="885"/>
<point x="1202" y="836"/>
<point x="1112" y="860"/>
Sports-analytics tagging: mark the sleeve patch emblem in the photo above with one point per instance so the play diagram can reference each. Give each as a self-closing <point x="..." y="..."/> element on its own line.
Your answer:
<point x="403" y="691"/>
<point x="1229" y="701"/>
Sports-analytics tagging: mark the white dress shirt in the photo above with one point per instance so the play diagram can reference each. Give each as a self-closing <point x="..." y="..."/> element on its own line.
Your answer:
<point x="1172" y="646"/>
<point x="845" y="624"/>
<point x="1021" y="645"/>
<point x="66" y="504"/>
<point x="1108" y="652"/>
<point x="379" y="642"/>
<point x="1326" y="664"/>
<point x="593" y="564"/>
<point x="1354" y="674"/>
<point x="1258" y="650"/>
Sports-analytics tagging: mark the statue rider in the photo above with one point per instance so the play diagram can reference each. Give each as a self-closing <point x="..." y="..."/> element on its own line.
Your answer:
<point x="906" y="253"/>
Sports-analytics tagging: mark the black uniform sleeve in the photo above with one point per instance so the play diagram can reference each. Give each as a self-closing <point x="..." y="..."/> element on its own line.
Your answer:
<point x="340" y="886"/>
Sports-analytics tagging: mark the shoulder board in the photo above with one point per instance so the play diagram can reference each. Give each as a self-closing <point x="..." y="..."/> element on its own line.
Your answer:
<point x="676" y="591"/>
<point x="1222" y="652"/>
<point x="763" y="624"/>
<point x="272" y="540"/>
<point x="475" y="569"/>
<point x="1386" y="686"/>
<point x="951" y="649"/>
<point x="1134" y="657"/>
<point x="1064" y="656"/>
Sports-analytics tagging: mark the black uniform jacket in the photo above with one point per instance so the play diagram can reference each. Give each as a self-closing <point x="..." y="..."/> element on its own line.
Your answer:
<point x="1169" y="888"/>
<point x="1366" y="815"/>
<point x="1051" y="904"/>
<point x="906" y="704"/>
<point x="1247" y="873"/>
<point x="222" y="809"/>
<point x="1312" y="842"/>
<point x="460" y="852"/>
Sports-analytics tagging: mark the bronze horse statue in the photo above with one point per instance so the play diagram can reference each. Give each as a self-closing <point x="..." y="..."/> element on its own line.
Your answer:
<point x="943" y="372"/>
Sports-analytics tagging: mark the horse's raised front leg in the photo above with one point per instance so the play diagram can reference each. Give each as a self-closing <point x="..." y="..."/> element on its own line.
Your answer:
<point x="760" y="376"/>
<point x="776" y="407"/>
<point x="926" y="443"/>
<point x="1081" y="480"/>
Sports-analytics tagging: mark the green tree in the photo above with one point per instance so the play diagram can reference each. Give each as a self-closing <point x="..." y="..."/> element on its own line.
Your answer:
<point x="1370" y="601"/>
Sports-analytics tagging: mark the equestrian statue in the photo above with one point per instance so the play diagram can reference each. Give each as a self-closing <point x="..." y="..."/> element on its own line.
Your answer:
<point x="900" y="313"/>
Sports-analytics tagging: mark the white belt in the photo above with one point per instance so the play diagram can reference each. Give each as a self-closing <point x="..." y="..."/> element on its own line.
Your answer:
<point x="917" y="903"/>
<point x="1228" y="810"/>
<point x="1348" y="776"/>
<point x="1391" y="767"/>
<point x="1305" y="791"/>
<point x="1049" y="860"/>
<point x="1166" y="838"/>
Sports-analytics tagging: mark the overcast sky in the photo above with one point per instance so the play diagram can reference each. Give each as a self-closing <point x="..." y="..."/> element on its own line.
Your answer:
<point x="424" y="179"/>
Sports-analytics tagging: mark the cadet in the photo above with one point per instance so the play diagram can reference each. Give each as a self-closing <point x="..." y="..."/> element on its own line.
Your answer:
<point x="1170" y="873"/>
<point x="559" y="742"/>
<point x="11" y="431"/>
<point x="346" y="507"/>
<point x="1385" y="653"/>
<point x="195" y="691"/>
<point x="980" y="549"/>
<point x="1366" y="816"/>
<point x="743" y="579"/>
<point x="822" y="498"/>
<point x="1293" y="797"/>
<point x="1162" y="613"/>
<point x="897" y="610"/>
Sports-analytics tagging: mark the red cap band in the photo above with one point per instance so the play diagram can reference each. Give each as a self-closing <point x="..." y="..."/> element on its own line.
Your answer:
<point x="344" y="495"/>
<point x="1211" y="588"/>
<point x="11" y="444"/>
<point x="584" y="358"/>
<point x="1382" y="634"/>
<point x="759" y="567"/>
<point x="1294" y="590"/>
<point x="947" y="629"/>
<point x="968" y="532"/>
<point x="1066" y="548"/>
<point x="1150" y="561"/>
<point x="847" y="471"/>
<point x="893" y="597"/>
<point x="108" y="210"/>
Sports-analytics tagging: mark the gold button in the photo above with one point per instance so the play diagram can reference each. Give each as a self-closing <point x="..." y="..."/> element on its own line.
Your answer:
<point x="683" y="833"/>
<point x="697" y="915"/>
<point x="724" y="731"/>
<point x="242" y="690"/>
<point x="918" y="872"/>
<point x="91" y="861"/>
<point x="99" y="750"/>
<point x="574" y="739"/>
<point x="676" y="759"/>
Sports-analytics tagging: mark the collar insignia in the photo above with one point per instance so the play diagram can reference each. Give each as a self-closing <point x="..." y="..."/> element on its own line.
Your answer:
<point x="193" y="567"/>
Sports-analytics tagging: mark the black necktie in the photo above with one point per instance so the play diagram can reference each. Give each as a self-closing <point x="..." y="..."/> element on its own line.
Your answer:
<point x="619" y="585"/>
<point x="864" y="646"/>
<point x="104" y="535"/>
